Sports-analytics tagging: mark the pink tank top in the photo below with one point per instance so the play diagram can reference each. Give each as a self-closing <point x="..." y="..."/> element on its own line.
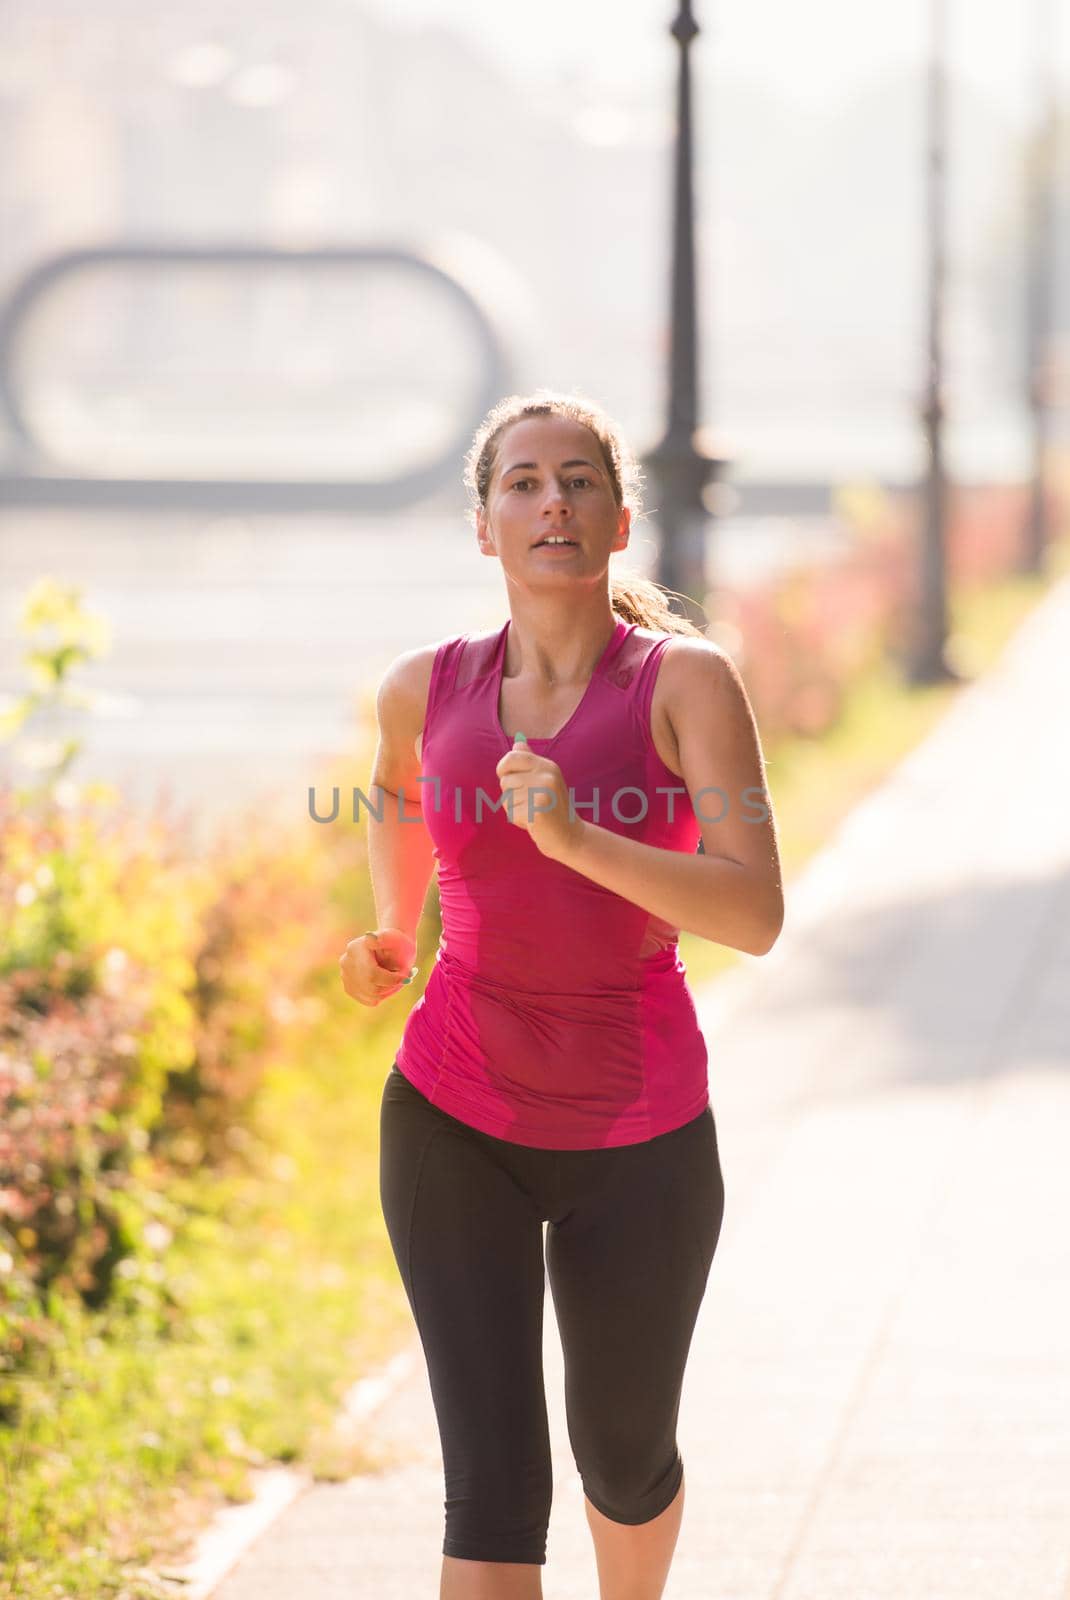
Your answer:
<point x="557" y="1013"/>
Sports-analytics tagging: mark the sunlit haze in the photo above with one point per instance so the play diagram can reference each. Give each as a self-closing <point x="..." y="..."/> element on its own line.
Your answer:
<point x="812" y="52"/>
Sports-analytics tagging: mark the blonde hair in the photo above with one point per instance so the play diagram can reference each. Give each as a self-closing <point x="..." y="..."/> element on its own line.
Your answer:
<point x="633" y="597"/>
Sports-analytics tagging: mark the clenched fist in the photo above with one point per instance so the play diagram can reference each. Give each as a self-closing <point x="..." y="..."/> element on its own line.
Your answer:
<point x="523" y="776"/>
<point x="376" y="965"/>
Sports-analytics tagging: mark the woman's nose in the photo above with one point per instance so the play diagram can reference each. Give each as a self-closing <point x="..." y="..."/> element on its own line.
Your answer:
<point x="555" y="493"/>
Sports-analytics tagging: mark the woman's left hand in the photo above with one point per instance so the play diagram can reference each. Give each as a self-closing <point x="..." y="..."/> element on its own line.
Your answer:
<point x="522" y="773"/>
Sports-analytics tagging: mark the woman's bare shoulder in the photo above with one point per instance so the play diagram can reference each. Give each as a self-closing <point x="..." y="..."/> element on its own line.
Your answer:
<point x="409" y="674"/>
<point x="401" y="703"/>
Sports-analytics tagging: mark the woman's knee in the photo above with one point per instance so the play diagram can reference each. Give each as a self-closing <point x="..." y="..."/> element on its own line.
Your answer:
<point x="629" y="1489"/>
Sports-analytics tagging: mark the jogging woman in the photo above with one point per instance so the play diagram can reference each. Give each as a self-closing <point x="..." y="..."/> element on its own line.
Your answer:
<point x="553" y="1071"/>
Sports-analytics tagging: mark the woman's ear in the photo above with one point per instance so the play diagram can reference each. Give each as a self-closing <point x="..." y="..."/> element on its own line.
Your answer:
<point x="483" y="533"/>
<point x="624" y="526"/>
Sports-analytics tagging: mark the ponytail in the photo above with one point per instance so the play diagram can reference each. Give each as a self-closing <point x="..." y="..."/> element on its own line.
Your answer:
<point x="639" y="600"/>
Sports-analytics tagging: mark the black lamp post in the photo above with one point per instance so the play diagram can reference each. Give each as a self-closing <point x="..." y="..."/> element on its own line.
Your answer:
<point x="681" y="467"/>
<point x="927" y="661"/>
<point x="1040" y="282"/>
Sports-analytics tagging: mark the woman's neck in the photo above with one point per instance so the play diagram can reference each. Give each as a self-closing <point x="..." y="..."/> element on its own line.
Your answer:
<point x="554" y="649"/>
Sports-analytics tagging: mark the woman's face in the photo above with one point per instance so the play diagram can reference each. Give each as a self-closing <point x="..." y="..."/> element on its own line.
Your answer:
<point x="551" y="481"/>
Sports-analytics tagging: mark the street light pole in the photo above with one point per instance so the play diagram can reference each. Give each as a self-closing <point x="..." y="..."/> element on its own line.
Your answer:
<point x="927" y="663"/>
<point x="682" y="468"/>
<point x="1039" y="282"/>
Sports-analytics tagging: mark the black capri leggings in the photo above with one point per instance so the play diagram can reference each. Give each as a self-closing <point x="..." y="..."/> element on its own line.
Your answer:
<point x="631" y="1236"/>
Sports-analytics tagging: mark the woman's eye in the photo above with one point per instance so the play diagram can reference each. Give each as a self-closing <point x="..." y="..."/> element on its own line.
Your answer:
<point x="524" y="483"/>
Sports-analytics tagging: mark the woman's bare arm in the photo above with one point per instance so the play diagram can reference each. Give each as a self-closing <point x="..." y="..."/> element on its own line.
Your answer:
<point x="400" y="853"/>
<point x="732" y="894"/>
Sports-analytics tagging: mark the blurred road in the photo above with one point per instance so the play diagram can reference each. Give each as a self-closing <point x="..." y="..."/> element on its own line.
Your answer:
<point x="240" y="647"/>
<point x="243" y="647"/>
<point x="877" y="1405"/>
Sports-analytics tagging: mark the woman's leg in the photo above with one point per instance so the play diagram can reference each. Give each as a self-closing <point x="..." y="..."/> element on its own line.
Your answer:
<point x="628" y="1260"/>
<point x="635" y="1560"/>
<point x="469" y="1247"/>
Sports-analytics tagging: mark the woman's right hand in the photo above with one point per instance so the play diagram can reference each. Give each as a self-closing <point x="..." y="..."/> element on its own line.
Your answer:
<point x="376" y="965"/>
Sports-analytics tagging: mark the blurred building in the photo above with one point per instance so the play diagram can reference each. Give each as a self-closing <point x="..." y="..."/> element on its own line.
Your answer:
<point x="257" y="120"/>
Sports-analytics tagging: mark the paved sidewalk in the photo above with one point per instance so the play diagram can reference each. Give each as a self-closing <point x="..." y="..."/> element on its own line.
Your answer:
<point x="878" y="1396"/>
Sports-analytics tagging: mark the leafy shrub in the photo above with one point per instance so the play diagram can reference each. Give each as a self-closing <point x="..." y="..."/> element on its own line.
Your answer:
<point x="802" y="636"/>
<point x="142" y="995"/>
<point x="94" y="1013"/>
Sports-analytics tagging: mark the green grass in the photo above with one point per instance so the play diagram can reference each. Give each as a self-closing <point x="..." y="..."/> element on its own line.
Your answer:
<point x="285" y="1278"/>
<point x="289" y="1292"/>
